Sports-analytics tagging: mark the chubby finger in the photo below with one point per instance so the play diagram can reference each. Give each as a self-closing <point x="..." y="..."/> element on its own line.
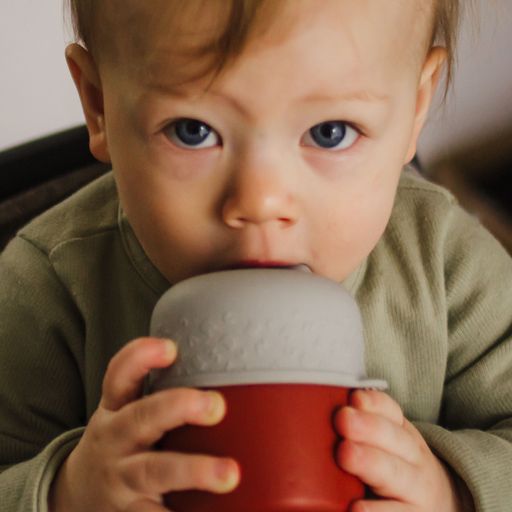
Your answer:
<point x="388" y="475"/>
<point x="154" y="473"/>
<point x="377" y="431"/>
<point x="144" y="421"/>
<point x="126" y="371"/>
<point x="377" y="402"/>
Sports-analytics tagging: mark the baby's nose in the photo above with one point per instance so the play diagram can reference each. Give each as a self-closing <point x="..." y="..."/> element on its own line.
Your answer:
<point x="259" y="196"/>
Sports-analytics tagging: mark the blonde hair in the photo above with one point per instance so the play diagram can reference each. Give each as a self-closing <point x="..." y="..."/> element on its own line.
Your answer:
<point x="242" y="18"/>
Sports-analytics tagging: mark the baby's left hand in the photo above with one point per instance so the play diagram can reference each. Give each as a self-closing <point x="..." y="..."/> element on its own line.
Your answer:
<point x="389" y="455"/>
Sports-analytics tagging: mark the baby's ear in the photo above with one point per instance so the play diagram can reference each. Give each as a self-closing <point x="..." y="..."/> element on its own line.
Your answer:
<point x="429" y="79"/>
<point x="87" y="80"/>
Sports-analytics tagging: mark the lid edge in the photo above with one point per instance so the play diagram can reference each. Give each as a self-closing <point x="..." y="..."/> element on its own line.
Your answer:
<point x="266" y="377"/>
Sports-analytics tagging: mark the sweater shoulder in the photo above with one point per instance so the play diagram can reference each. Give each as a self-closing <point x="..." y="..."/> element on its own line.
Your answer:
<point x="88" y="212"/>
<point x="431" y="235"/>
<point x="413" y="188"/>
<point x="423" y="211"/>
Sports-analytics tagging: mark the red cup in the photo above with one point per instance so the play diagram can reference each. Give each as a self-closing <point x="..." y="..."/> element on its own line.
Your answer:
<point x="283" y="437"/>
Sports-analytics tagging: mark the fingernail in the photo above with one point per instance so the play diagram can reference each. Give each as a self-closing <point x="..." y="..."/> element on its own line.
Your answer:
<point x="170" y="349"/>
<point x="215" y="407"/>
<point x="227" y="476"/>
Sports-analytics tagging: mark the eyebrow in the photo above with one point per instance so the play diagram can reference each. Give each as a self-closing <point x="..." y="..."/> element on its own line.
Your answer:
<point x="363" y="95"/>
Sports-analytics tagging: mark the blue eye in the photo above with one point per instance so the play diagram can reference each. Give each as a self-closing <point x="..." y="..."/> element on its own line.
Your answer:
<point x="332" y="135"/>
<point x="191" y="134"/>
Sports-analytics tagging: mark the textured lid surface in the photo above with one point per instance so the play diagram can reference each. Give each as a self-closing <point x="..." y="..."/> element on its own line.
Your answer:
<point x="261" y="326"/>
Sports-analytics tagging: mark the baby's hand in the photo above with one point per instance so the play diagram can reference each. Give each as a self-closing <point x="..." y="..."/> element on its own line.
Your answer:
<point x="388" y="454"/>
<point x="114" y="467"/>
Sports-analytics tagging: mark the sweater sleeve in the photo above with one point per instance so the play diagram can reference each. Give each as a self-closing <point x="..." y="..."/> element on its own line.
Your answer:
<point x="41" y="368"/>
<point x="474" y="435"/>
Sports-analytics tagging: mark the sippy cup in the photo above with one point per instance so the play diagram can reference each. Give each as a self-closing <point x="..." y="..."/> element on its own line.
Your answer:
<point x="284" y="347"/>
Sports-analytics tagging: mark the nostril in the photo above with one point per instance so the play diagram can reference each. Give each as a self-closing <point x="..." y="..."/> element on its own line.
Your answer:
<point x="236" y="222"/>
<point x="239" y="212"/>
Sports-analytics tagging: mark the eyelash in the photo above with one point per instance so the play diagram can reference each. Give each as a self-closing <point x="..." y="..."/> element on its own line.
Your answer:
<point x="354" y="134"/>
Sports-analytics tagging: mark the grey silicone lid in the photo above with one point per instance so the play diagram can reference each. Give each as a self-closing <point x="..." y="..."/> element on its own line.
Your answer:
<point x="256" y="326"/>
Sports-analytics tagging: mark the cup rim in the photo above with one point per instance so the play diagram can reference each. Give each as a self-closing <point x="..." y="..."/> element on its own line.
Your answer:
<point x="162" y="380"/>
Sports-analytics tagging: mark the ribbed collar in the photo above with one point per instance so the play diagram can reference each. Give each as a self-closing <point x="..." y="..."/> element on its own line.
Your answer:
<point x="143" y="265"/>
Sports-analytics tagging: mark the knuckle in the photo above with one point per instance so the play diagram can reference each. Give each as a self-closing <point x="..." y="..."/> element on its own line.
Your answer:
<point x="203" y="473"/>
<point x="191" y="403"/>
<point x="406" y="477"/>
<point x="136" y="474"/>
<point x="197" y="403"/>
<point x="142" y="412"/>
<point x="98" y="432"/>
<point x="112" y="385"/>
<point x="152" y="474"/>
<point x="413" y="484"/>
<point x="192" y="472"/>
<point x="187" y="471"/>
<point x="395" y="469"/>
<point x="348" y="456"/>
<point x="208" y="473"/>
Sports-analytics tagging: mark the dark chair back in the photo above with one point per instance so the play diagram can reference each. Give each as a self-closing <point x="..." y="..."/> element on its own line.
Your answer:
<point x="41" y="173"/>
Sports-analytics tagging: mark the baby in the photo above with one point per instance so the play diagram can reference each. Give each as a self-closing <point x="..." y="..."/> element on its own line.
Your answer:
<point x="246" y="133"/>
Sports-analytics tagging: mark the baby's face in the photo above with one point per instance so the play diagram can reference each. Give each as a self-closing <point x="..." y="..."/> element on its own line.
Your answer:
<point x="292" y="156"/>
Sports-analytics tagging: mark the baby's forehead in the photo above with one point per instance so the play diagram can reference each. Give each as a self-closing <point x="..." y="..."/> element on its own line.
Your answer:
<point x="186" y="33"/>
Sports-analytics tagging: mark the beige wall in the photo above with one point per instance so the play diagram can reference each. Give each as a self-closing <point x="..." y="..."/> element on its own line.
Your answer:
<point x="37" y="96"/>
<point x="480" y="103"/>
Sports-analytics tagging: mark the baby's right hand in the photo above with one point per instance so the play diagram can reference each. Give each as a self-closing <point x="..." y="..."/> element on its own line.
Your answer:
<point x="114" y="466"/>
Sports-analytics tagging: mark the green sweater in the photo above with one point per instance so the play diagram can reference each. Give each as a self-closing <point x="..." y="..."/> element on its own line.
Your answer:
<point x="436" y="300"/>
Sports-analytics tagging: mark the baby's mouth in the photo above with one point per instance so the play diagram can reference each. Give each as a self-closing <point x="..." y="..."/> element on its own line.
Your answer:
<point x="303" y="267"/>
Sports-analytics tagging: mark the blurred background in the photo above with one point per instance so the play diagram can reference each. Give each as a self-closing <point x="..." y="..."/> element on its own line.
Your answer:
<point x="466" y="144"/>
